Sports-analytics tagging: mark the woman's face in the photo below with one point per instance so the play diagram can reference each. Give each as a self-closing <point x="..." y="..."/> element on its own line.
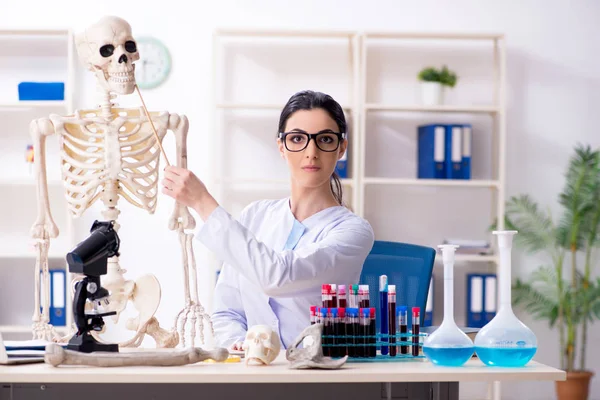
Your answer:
<point x="311" y="167"/>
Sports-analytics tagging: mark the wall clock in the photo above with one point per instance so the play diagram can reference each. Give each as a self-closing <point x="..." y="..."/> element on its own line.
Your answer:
<point x="154" y="65"/>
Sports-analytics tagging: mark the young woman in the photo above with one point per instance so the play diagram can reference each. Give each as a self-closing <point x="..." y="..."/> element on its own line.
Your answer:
<point x="280" y="252"/>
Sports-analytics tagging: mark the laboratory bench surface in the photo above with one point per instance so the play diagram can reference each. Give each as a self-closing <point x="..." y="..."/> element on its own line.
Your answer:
<point x="407" y="379"/>
<point x="419" y="370"/>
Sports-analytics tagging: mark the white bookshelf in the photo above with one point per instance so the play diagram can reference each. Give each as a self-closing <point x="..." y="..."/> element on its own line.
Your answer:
<point x="431" y="109"/>
<point x="431" y="182"/>
<point x="35" y="56"/>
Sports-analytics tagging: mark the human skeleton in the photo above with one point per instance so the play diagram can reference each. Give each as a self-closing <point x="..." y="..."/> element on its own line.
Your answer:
<point x="108" y="153"/>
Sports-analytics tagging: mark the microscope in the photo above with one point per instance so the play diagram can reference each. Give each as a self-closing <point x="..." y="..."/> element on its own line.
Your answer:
<point x="90" y="259"/>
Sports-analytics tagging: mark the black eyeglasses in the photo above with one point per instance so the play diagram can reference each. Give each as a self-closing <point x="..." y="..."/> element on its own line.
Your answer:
<point x="325" y="141"/>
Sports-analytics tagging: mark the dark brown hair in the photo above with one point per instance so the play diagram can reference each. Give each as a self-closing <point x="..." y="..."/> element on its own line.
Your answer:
<point x="308" y="100"/>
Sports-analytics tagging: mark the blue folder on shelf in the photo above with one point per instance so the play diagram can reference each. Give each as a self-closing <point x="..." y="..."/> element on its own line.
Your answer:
<point x="58" y="281"/>
<point x="481" y="299"/>
<point x="58" y="296"/>
<point x="454" y="151"/>
<point x="431" y="151"/>
<point x="467" y="130"/>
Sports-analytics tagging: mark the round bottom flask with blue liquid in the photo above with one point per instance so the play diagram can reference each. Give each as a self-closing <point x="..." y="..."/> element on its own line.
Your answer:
<point x="448" y="345"/>
<point x="505" y="341"/>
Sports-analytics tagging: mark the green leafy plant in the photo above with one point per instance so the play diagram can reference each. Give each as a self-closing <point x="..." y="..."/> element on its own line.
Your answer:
<point x="560" y="291"/>
<point x="447" y="77"/>
<point x="443" y="76"/>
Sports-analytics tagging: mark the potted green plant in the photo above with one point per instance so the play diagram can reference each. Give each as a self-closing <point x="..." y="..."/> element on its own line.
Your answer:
<point x="562" y="290"/>
<point x="433" y="81"/>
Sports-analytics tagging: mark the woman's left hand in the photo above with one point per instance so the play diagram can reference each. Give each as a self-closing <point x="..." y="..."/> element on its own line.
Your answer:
<point x="182" y="185"/>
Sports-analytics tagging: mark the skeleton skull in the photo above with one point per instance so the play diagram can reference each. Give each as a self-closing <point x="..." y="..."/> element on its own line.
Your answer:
<point x="108" y="49"/>
<point x="261" y="344"/>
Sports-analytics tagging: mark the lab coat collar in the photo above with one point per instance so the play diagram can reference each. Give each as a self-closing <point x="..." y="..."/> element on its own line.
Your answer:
<point x="314" y="219"/>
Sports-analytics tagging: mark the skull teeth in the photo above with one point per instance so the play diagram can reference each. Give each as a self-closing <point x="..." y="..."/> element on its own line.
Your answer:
<point x="126" y="73"/>
<point x="119" y="80"/>
<point x="120" y="77"/>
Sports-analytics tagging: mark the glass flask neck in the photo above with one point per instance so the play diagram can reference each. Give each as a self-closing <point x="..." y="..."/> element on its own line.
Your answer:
<point x="448" y="293"/>
<point x="505" y="240"/>
<point x="505" y="277"/>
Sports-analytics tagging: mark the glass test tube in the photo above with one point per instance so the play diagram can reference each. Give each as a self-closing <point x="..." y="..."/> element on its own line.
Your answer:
<point x="364" y="298"/>
<point x="327" y="331"/>
<point x="373" y="333"/>
<point x="325" y="295"/>
<point x="416" y="320"/>
<point x="352" y="330"/>
<point x="333" y="313"/>
<point x="333" y="298"/>
<point x="383" y="316"/>
<point x="365" y="323"/>
<point x="342" y="302"/>
<point x="340" y="332"/>
<point x="403" y="326"/>
<point x="392" y="319"/>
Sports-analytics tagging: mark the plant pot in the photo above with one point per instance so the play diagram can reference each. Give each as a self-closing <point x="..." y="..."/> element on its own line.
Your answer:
<point x="576" y="387"/>
<point x="432" y="93"/>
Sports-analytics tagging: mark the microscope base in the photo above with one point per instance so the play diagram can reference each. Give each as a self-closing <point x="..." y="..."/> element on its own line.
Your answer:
<point x="87" y="344"/>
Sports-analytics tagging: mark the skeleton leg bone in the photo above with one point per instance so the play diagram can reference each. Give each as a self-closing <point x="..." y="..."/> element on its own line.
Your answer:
<point x="55" y="355"/>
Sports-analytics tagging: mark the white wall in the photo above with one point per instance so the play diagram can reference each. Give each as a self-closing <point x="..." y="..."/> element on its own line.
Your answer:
<point x="553" y="96"/>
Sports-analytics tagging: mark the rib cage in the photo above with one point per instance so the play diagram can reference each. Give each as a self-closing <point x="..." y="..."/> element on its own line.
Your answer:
<point x="98" y="154"/>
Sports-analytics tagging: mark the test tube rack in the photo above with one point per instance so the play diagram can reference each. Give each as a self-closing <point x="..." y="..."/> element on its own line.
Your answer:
<point x="354" y="346"/>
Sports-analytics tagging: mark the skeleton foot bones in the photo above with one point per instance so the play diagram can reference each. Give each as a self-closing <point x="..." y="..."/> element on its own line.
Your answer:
<point x="55" y="355"/>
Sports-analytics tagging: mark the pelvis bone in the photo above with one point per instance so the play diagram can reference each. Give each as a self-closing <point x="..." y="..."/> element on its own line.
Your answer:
<point x="311" y="356"/>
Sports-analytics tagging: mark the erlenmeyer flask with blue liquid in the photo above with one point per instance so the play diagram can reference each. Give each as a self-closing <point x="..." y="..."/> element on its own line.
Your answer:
<point x="448" y="345"/>
<point x="505" y="341"/>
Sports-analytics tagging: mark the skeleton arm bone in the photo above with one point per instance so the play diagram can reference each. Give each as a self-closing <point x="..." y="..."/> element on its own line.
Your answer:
<point x="179" y="125"/>
<point x="44" y="226"/>
<point x="42" y="230"/>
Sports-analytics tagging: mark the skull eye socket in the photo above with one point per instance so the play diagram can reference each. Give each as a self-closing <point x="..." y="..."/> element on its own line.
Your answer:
<point x="263" y="336"/>
<point x="107" y="50"/>
<point x="130" y="46"/>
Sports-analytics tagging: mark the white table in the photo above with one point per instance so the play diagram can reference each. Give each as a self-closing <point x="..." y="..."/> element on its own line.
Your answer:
<point x="232" y="380"/>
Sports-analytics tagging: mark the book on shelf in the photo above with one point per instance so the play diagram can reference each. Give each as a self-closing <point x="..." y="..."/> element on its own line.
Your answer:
<point x="468" y="246"/>
<point x="444" y="151"/>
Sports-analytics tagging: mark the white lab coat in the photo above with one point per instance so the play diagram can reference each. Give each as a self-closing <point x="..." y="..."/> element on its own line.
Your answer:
<point x="274" y="266"/>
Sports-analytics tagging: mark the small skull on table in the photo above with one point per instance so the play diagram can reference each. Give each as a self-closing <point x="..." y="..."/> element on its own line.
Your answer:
<point x="261" y="345"/>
